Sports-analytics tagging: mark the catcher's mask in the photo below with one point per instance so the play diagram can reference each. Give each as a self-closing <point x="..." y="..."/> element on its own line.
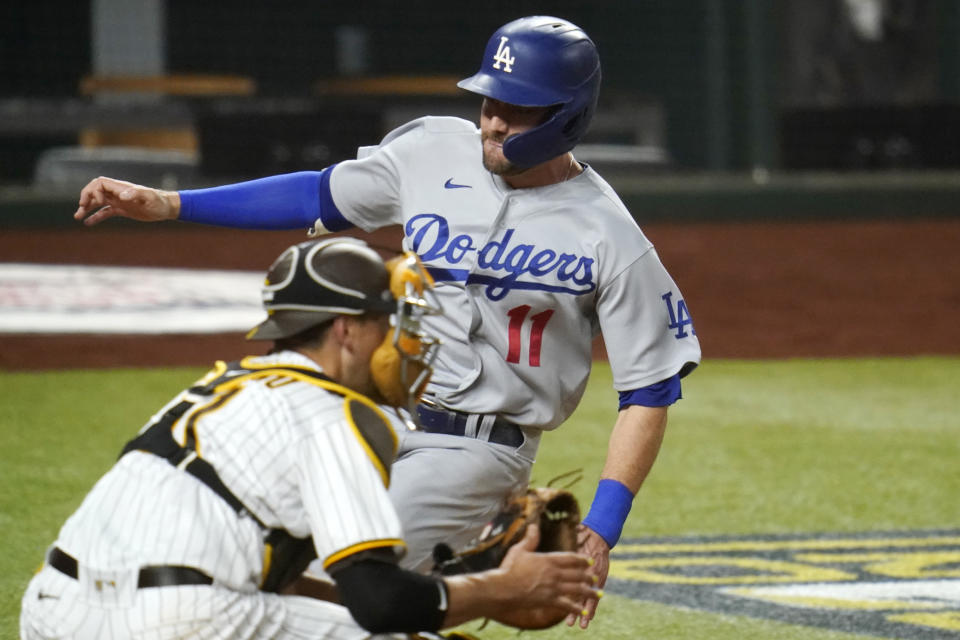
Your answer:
<point x="313" y="282"/>
<point x="403" y="364"/>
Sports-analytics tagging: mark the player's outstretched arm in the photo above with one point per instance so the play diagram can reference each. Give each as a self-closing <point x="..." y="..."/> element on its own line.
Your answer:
<point x="525" y="581"/>
<point x="104" y="198"/>
<point x="286" y="201"/>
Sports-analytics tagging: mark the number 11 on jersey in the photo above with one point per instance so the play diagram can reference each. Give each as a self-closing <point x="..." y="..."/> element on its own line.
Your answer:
<point x="538" y="322"/>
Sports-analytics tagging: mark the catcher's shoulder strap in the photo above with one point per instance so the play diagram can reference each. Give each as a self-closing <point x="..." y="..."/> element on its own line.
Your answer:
<point x="157" y="437"/>
<point x="365" y="417"/>
<point x="374" y="433"/>
<point x="219" y="385"/>
<point x="286" y="555"/>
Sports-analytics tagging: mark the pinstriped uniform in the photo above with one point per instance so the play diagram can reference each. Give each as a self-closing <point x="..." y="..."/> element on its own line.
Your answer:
<point x="287" y="450"/>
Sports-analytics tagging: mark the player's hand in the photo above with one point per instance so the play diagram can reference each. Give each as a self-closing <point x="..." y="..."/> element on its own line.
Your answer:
<point x="591" y="544"/>
<point x="104" y="198"/>
<point x="546" y="581"/>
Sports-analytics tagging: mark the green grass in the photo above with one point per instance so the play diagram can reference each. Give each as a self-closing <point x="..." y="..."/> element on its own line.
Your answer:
<point x="755" y="447"/>
<point x="625" y="619"/>
<point x="59" y="431"/>
<point x="788" y="446"/>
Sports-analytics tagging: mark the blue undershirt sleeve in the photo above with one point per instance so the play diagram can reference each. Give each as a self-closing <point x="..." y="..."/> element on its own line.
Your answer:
<point x="288" y="201"/>
<point x="658" y="394"/>
<point x="330" y="216"/>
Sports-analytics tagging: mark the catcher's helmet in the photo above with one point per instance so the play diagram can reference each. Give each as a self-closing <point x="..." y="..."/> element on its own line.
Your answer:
<point x="313" y="282"/>
<point x="541" y="61"/>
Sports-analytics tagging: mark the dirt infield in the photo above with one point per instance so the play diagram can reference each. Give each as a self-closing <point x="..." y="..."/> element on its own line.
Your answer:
<point x="756" y="290"/>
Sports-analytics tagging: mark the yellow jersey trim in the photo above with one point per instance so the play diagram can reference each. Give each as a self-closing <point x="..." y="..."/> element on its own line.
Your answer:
<point x="361" y="546"/>
<point x="374" y="458"/>
<point x="267" y="561"/>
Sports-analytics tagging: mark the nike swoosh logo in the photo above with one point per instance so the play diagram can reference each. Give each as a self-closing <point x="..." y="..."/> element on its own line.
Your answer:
<point x="450" y="184"/>
<point x="43" y="596"/>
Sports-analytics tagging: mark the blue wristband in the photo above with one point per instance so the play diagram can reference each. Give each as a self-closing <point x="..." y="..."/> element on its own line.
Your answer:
<point x="611" y="505"/>
<point x="289" y="201"/>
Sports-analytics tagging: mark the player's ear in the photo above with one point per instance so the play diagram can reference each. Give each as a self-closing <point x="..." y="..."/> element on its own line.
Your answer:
<point x="347" y="329"/>
<point x="341" y="329"/>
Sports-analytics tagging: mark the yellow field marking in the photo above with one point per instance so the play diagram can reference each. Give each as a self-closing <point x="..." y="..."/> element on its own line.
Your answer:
<point x="760" y="571"/>
<point x="825" y="602"/>
<point x="912" y="565"/>
<point x="949" y="620"/>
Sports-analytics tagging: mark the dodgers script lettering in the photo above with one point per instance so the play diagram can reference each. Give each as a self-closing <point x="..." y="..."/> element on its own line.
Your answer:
<point x="526" y="266"/>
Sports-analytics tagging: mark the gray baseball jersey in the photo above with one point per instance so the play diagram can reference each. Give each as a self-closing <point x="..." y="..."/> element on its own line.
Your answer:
<point x="527" y="277"/>
<point x="292" y="455"/>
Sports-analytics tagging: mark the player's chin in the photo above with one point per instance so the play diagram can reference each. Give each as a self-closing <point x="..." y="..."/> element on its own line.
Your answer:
<point x="496" y="163"/>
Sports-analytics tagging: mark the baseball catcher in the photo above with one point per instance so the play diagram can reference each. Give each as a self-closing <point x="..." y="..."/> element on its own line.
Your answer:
<point x="229" y="489"/>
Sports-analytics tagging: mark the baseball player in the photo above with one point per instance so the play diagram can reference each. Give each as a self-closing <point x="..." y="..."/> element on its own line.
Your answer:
<point x="533" y="254"/>
<point x="233" y="486"/>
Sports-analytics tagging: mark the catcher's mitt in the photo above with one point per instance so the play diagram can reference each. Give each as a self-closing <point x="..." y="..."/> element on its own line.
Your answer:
<point x="558" y="514"/>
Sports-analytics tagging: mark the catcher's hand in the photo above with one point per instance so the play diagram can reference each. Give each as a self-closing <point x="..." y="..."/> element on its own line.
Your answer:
<point x="557" y="514"/>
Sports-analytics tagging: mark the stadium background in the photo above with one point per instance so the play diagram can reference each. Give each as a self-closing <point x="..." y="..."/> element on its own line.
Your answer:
<point x="795" y="163"/>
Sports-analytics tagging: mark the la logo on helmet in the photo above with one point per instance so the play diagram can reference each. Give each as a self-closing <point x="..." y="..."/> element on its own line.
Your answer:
<point x="503" y="55"/>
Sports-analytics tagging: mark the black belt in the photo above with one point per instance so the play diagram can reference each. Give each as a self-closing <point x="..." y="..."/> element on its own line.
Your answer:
<point x="454" y="423"/>
<point x="156" y="576"/>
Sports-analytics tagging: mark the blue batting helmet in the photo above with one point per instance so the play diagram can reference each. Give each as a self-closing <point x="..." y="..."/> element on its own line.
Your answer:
<point x="541" y="61"/>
